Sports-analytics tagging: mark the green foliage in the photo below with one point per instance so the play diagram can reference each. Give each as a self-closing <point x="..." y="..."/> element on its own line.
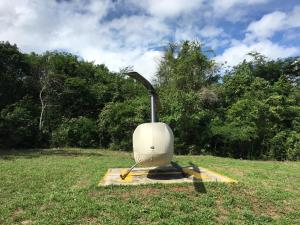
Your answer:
<point x="292" y="146"/>
<point x="237" y="82"/>
<point x="189" y="120"/>
<point x="57" y="98"/>
<point x="259" y="115"/>
<point x="241" y="127"/>
<point x="277" y="146"/>
<point x="118" y="120"/>
<point x="76" y="97"/>
<point x="185" y="78"/>
<point x="13" y="71"/>
<point x="270" y="70"/>
<point x="75" y="132"/>
<point x="19" y="125"/>
<point x="185" y="66"/>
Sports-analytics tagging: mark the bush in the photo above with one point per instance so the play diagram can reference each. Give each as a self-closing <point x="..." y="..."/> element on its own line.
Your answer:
<point x="285" y="145"/>
<point x="189" y="120"/>
<point x="277" y="146"/>
<point x="118" y="120"/>
<point x="293" y="146"/>
<point x="75" y="132"/>
<point x="19" y="125"/>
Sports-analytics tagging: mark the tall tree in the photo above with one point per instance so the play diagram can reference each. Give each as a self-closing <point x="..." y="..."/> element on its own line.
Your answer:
<point x="186" y="66"/>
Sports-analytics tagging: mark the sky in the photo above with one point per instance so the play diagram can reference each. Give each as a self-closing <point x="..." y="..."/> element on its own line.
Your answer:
<point x="121" y="33"/>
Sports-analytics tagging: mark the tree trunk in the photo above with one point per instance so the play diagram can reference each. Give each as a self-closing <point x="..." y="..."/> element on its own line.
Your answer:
<point x="42" y="110"/>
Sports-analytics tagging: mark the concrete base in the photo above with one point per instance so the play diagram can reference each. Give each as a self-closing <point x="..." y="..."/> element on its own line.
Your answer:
<point x="151" y="175"/>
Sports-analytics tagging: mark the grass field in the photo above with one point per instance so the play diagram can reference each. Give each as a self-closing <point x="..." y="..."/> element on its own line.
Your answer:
<point x="60" y="187"/>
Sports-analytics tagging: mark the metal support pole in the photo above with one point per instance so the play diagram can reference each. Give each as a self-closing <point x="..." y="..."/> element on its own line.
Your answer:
<point x="153" y="108"/>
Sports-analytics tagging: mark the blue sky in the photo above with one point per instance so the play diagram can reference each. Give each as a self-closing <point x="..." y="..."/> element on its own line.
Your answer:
<point x="123" y="33"/>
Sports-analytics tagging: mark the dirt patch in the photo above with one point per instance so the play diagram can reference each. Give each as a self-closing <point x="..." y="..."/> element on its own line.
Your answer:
<point x="17" y="213"/>
<point x="222" y="212"/>
<point x="97" y="193"/>
<point x="142" y="191"/>
<point x="82" y="183"/>
<point x="258" y="205"/>
<point x="25" y="222"/>
<point x="150" y="191"/>
<point x="90" y="220"/>
<point x="183" y="188"/>
<point x="47" y="206"/>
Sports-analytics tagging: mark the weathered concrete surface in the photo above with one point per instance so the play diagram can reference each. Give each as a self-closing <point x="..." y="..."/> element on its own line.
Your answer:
<point x="152" y="175"/>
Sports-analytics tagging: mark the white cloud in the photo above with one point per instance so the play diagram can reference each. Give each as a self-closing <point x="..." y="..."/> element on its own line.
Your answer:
<point x="185" y="32"/>
<point x="273" y="22"/>
<point x="144" y="62"/>
<point x="215" y="43"/>
<point x="211" y="31"/>
<point x="136" y="30"/>
<point x="147" y="63"/>
<point x="294" y="17"/>
<point x="258" y="37"/>
<point x="45" y="25"/>
<point x="268" y="25"/>
<point x="224" y="5"/>
<point x="233" y="10"/>
<point x="238" y="51"/>
<point x="168" y="8"/>
<point x="131" y="39"/>
<point x="77" y="27"/>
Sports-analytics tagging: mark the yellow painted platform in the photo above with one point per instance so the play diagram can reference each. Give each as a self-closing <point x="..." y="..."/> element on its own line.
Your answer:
<point x="151" y="175"/>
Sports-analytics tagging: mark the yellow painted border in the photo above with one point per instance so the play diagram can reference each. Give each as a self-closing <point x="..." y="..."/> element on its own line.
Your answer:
<point x="226" y="179"/>
<point x="194" y="173"/>
<point x="103" y="178"/>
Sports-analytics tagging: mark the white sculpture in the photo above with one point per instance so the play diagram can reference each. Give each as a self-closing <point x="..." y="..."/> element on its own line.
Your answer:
<point x="153" y="143"/>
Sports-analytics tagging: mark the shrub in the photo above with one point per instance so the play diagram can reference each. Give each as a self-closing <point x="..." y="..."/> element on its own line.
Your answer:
<point x="118" y="120"/>
<point x="277" y="146"/>
<point x="293" y="146"/>
<point x="188" y="118"/>
<point x="75" y="132"/>
<point x="19" y="125"/>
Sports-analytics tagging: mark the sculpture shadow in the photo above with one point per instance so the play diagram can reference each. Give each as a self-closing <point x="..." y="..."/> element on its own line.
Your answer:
<point x="165" y="173"/>
<point x="177" y="172"/>
<point x="198" y="182"/>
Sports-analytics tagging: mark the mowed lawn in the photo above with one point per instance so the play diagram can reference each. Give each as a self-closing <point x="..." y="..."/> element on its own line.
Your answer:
<point x="60" y="187"/>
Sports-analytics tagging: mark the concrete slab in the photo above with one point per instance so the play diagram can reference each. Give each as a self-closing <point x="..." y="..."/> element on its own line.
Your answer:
<point x="152" y="175"/>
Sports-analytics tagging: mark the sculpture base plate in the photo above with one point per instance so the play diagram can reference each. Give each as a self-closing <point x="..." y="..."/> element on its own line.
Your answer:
<point x="165" y="175"/>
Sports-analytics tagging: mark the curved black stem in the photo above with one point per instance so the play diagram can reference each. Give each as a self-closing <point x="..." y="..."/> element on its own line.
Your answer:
<point x="152" y="93"/>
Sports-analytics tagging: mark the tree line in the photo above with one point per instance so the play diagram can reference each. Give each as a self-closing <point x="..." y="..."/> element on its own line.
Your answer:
<point x="57" y="99"/>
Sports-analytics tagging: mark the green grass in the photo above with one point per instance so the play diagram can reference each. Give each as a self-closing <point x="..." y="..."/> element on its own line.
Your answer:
<point x="60" y="187"/>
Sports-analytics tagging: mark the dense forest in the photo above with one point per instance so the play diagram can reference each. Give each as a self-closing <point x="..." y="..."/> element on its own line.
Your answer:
<point x="57" y="99"/>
